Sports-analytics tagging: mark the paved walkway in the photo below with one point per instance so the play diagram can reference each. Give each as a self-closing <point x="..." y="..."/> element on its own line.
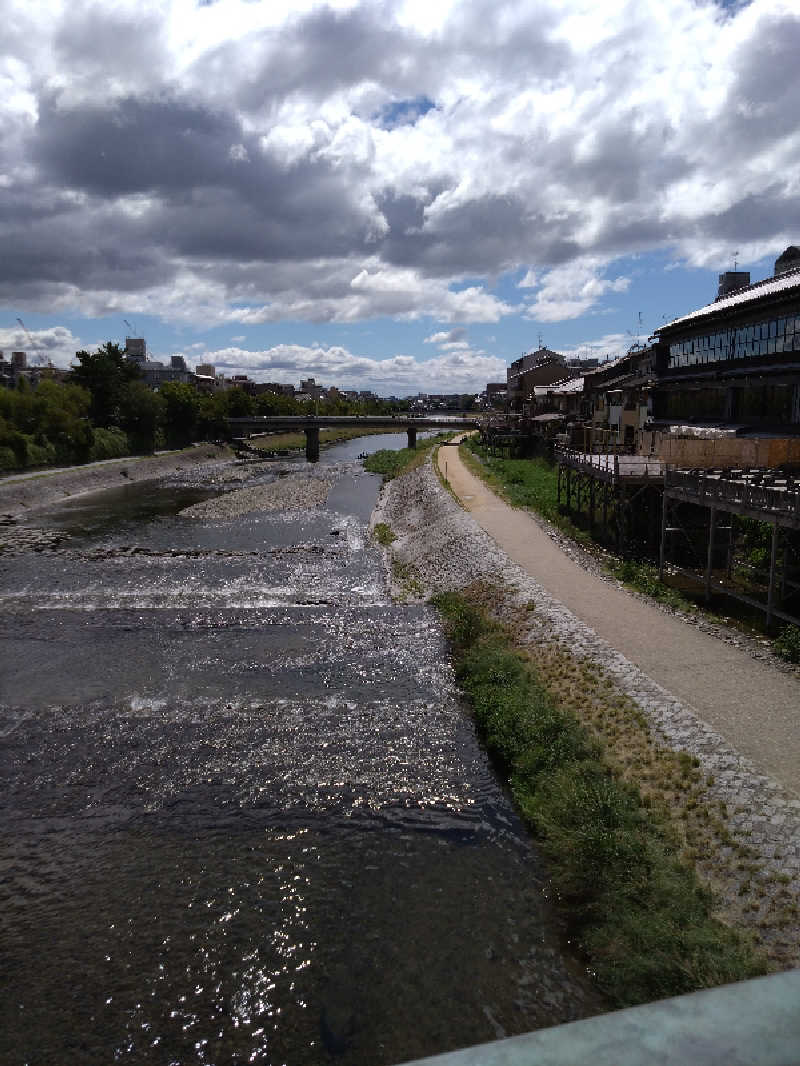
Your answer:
<point x="754" y="707"/>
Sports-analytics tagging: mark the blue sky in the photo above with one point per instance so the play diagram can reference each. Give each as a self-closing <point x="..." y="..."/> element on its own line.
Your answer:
<point x="400" y="196"/>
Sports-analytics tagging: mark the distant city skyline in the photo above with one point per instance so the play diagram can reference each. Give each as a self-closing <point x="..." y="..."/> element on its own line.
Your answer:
<point x="397" y="198"/>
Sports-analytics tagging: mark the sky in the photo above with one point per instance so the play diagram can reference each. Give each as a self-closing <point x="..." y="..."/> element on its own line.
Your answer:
<point x="399" y="196"/>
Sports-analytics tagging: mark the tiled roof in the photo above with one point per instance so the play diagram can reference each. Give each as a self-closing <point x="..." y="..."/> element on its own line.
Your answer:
<point x="742" y="296"/>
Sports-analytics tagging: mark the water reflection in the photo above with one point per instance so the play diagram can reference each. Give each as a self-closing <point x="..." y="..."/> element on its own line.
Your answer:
<point x="242" y="826"/>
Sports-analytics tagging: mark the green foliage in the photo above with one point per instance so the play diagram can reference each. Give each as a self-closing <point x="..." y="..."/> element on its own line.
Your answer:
<point x="141" y="416"/>
<point x="530" y="483"/>
<point x="393" y="462"/>
<point x="44" y="425"/>
<point x="644" y="578"/>
<point x="383" y="534"/>
<point x="642" y="916"/>
<point x="182" y="405"/>
<point x="109" y="444"/>
<point x="787" y="644"/>
<point x="389" y="462"/>
<point x="105" y="374"/>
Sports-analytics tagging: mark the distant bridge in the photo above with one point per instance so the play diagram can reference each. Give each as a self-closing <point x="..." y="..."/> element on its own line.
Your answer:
<point x="312" y="424"/>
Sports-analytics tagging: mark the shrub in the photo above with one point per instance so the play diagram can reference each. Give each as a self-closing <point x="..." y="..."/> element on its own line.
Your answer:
<point x="787" y="644"/>
<point x="109" y="444"/>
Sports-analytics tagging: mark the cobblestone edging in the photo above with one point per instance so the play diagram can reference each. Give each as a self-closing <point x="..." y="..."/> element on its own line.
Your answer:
<point x="439" y="547"/>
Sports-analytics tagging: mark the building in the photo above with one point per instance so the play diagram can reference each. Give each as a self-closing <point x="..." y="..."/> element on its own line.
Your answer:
<point x="542" y="367"/>
<point x="732" y="368"/>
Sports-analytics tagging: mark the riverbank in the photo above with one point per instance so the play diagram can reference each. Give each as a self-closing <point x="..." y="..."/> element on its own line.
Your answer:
<point x="21" y="494"/>
<point x="737" y="826"/>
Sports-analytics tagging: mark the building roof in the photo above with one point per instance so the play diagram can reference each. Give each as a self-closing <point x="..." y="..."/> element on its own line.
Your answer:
<point x="562" y="387"/>
<point x="768" y="287"/>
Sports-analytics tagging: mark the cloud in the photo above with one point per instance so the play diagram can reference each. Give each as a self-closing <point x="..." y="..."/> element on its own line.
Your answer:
<point x="56" y="345"/>
<point x="334" y="365"/>
<point x="571" y="290"/>
<point x="336" y="162"/>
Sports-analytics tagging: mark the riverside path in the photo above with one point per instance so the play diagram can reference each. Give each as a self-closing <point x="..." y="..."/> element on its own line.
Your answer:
<point x="755" y="707"/>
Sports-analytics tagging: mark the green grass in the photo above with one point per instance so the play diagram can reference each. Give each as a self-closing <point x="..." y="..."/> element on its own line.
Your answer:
<point x="787" y="644"/>
<point x="393" y="462"/>
<point x="297" y="439"/>
<point x="643" y="577"/>
<point x="639" y="913"/>
<point x="383" y="534"/>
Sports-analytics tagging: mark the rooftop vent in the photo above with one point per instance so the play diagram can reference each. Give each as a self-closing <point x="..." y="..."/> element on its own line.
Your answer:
<point x="732" y="280"/>
<point x="788" y="260"/>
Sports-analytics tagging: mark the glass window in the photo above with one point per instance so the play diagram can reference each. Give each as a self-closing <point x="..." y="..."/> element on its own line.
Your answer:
<point x="773" y="330"/>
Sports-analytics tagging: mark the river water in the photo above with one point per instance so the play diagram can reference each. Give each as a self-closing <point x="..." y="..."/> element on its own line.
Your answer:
<point x="244" y="817"/>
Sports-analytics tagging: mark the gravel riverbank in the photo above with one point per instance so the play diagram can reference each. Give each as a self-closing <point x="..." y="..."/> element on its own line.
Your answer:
<point x="20" y="495"/>
<point x="439" y="547"/>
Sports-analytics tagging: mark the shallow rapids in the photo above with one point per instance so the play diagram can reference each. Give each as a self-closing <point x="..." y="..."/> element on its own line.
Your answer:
<point x="244" y="817"/>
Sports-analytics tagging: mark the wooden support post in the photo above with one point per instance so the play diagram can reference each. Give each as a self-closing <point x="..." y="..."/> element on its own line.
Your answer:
<point x="605" y="509"/>
<point x="712" y="522"/>
<point x="771" y="592"/>
<point x="663" y="548"/>
<point x="412" y="437"/>
<point x="591" y="506"/>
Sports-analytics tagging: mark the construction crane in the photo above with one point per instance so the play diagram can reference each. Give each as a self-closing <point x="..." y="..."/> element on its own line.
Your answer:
<point x="41" y="358"/>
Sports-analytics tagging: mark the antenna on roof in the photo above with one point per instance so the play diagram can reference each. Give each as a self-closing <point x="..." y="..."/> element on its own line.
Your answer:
<point x="735" y="259"/>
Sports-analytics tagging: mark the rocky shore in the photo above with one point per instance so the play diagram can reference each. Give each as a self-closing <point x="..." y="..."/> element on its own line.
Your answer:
<point x="21" y="494"/>
<point x="439" y="547"/>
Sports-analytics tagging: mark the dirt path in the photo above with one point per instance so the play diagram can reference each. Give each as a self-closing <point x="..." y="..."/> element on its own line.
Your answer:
<point x="754" y="707"/>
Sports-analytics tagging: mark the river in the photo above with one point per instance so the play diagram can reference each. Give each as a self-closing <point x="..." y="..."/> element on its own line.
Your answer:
<point x="244" y="816"/>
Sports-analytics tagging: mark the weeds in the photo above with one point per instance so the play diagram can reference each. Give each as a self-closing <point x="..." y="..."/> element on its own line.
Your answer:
<point x="393" y="462"/>
<point x="383" y="534"/>
<point x="640" y="913"/>
<point x="787" y="644"/>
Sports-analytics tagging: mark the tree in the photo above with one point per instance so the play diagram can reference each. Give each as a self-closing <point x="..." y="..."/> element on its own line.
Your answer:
<point x="141" y="416"/>
<point x="181" y="412"/>
<point x="106" y="374"/>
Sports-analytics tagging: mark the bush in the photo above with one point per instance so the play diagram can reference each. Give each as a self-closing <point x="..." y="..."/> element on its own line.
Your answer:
<point x="109" y="444"/>
<point x="787" y="644"/>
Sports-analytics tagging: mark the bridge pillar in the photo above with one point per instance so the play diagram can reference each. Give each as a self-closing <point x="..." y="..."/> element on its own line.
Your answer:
<point x="312" y="443"/>
<point x="412" y="436"/>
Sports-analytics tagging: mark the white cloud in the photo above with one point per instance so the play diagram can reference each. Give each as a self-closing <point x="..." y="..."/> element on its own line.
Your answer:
<point x="182" y="160"/>
<point x="334" y="365"/>
<point x="571" y="290"/>
<point x="56" y="344"/>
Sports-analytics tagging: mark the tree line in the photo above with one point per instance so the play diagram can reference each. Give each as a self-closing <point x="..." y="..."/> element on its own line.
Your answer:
<point x="105" y="411"/>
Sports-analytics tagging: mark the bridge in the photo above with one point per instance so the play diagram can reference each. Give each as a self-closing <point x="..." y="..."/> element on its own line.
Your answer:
<point x="312" y="424"/>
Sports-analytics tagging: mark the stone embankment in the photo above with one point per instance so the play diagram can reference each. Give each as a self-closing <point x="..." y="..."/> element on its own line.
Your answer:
<point x="755" y="867"/>
<point x="20" y="494"/>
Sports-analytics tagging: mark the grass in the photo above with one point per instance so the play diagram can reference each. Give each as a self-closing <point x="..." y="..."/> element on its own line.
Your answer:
<point x="617" y="858"/>
<point x="391" y="463"/>
<point x="384" y="534"/>
<point x="643" y="577"/>
<point x="291" y="441"/>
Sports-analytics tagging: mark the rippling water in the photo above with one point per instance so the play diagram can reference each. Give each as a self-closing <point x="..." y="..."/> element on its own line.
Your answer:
<point x="244" y="818"/>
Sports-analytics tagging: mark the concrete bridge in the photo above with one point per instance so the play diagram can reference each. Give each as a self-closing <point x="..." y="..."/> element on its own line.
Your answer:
<point x="312" y="424"/>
